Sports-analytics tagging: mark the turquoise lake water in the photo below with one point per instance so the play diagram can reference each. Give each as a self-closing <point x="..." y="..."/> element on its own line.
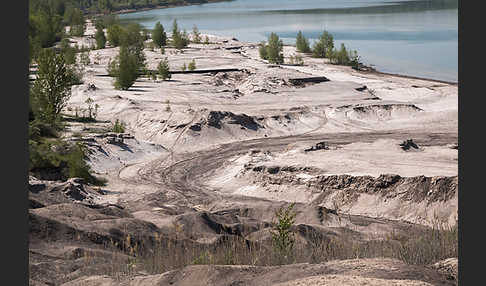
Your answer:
<point x="418" y="38"/>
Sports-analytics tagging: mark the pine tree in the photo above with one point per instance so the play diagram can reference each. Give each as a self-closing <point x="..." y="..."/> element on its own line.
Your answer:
<point x="179" y="40"/>
<point x="275" y="49"/>
<point x="262" y="50"/>
<point x="302" y="43"/>
<point x="159" y="36"/>
<point x="163" y="69"/>
<point x="196" y="36"/>
<point x="114" y="35"/>
<point x="324" y="46"/>
<point x="100" y="38"/>
<point x="125" y="69"/>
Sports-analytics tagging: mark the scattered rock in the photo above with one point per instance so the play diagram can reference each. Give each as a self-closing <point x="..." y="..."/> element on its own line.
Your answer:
<point x="318" y="146"/>
<point x="92" y="87"/>
<point x="406" y="145"/>
<point x="453" y="146"/>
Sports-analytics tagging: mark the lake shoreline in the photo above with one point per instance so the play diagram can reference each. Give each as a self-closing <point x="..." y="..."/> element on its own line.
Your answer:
<point x="377" y="72"/>
<point x="368" y="66"/>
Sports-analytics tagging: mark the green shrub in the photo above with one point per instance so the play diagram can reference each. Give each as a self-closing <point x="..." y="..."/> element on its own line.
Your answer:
<point x="262" y="50"/>
<point x="192" y="65"/>
<point x="302" y="43"/>
<point x="354" y="61"/>
<point x="324" y="46"/>
<point x="74" y="17"/>
<point x="68" y="51"/>
<point x="118" y="126"/>
<point x="114" y="33"/>
<point x="179" y="40"/>
<point x="163" y="69"/>
<point x="52" y="88"/>
<point x="45" y="27"/>
<point x="296" y="60"/>
<point x="100" y="38"/>
<point x="196" y="35"/>
<point x="159" y="36"/>
<point x="273" y="51"/>
<point x="282" y="236"/>
<point x="61" y="160"/>
<point x="125" y="68"/>
<point x="76" y="166"/>
<point x="344" y="57"/>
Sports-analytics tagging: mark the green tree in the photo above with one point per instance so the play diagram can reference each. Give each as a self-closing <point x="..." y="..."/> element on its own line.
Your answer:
<point x="132" y="35"/>
<point x="163" y="69"/>
<point x="125" y="68"/>
<point x="118" y="126"/>
<point x="274" y="49"/>
<point x="354" y="59"/>
<point x="282" y="236"/>
<point x="105" y="5"/>
<point x="302" y="43"/>
<point x="159" y="36"/>
<point x="185" y="38"/>
<point x="68" y="51"/>
<point x="52" y="87"/>
<point x="133" y="39"/>
<point x="100" y="38"/>
<point x="196" y="35"/>
<point x="179" y="40"/>
<point x="324" y="46"/>
<point x="114" y="33"/>
<point x="341" y="56"/>
<point x="45" y="27"/>
<point x="262" y="50"/>
<point x="75" y="19"/>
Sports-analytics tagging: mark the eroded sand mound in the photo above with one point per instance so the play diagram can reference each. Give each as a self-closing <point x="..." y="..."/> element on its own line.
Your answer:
<point x="419" y="199"/>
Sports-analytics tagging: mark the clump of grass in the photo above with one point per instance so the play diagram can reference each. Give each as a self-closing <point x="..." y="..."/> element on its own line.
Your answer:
<point x="420" y="246"/>
<point x="296" y="60"/>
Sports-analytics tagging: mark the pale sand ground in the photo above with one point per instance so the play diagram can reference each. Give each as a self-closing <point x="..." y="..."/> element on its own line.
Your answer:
<point x="405" y="106"/>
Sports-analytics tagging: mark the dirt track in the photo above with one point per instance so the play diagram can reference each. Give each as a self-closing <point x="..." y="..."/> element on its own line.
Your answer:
<point x="218" y="154"/>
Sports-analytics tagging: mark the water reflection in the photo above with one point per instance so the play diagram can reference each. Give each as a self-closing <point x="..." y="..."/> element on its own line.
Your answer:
<point x="409" y="37"/>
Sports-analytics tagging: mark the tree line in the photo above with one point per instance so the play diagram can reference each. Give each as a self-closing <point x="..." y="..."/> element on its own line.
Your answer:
<point x="272" y="50"/>
<point x="108" y="6"/>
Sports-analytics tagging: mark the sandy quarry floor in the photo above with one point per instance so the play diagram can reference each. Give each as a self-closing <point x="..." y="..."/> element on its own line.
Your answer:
<point x="193" y="112"/>
<point x="216" y="142"/>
